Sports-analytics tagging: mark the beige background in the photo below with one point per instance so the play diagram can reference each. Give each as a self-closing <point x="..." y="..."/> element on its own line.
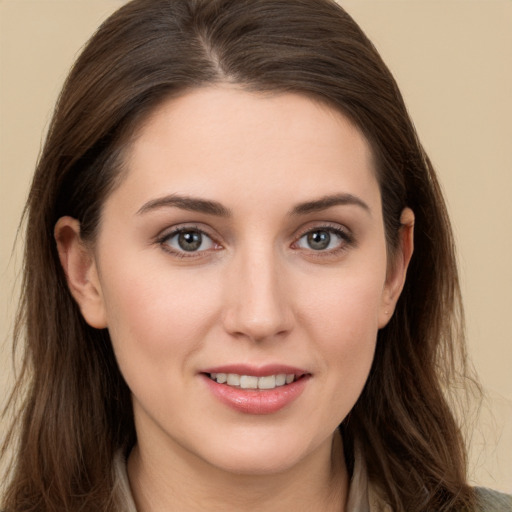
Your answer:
<point x="453" y="61"/>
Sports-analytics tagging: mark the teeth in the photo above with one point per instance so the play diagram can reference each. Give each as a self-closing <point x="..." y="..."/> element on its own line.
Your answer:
<point x="248" y="382"/>
<point x="233" y="379"/>
<point x="252" y="382"/>
<point x="267" y="382"/>
<point x="281" y="379"/>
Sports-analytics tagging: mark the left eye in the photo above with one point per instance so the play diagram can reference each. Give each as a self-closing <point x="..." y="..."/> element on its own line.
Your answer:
<point x="321" y="240"/>
<point x="189" y="240"/>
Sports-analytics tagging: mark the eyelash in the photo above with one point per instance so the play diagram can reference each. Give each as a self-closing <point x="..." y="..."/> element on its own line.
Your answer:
<point x="346" y="238"/>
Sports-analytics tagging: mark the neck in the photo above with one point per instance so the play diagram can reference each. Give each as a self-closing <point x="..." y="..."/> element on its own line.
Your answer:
<point x="318" y="483"/>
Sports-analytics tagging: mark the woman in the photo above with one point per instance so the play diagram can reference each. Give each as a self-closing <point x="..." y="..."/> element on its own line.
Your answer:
<point x="215" y="297"/>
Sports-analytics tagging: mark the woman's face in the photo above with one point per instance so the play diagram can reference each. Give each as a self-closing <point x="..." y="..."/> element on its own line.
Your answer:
<point x="246" y="244"/>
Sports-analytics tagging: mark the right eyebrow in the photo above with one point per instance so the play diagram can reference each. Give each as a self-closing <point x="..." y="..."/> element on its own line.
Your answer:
<point x="194" y="204"/>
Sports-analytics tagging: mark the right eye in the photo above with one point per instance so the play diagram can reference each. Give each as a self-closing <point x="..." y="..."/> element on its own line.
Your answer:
<point x="188" y="240"/>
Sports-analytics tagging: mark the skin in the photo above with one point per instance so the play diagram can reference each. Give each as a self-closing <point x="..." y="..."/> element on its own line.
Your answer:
<point x="256" y="292"/>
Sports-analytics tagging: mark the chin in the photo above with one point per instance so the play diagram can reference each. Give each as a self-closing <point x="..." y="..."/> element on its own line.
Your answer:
<point x="262" y="455"/>
<point x="255" y="464"/>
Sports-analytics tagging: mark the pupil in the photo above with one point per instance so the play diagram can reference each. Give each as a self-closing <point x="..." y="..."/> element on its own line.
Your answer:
<point x="319" y="240"/>
<point x="190" y="240"/>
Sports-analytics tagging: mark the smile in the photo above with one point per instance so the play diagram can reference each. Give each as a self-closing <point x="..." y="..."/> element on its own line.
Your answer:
<point x="253" y="382"/>
<point x="266" y="393"/>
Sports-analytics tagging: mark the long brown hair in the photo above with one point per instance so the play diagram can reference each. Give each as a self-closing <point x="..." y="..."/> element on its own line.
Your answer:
<point x="73" y="406"/>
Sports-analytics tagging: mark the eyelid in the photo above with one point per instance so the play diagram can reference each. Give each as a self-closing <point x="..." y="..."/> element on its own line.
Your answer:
<point x="327" y="226"/>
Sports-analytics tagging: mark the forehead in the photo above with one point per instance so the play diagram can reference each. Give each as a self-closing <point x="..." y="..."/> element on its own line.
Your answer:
<point x="217" y="138"/>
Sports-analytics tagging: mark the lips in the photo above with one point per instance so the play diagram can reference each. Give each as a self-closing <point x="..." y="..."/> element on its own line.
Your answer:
<point x="256" y="390"/>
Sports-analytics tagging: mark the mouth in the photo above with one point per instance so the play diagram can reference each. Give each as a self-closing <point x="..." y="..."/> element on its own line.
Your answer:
<point x="256" y="390"/>
<point x="253" y="382"/>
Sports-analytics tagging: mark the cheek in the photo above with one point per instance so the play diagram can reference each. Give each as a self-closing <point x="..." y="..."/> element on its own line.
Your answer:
<point x="157" y="325"/>
<point x="156" y="315"/>
<point x="345" y="306"/>
<point x="343" y="321"/>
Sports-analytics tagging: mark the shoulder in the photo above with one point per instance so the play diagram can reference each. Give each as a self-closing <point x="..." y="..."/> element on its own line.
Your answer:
<point x="493" y="501"/>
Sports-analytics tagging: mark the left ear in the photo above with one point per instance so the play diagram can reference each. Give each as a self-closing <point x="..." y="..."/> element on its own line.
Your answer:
<point x="398" y="268"/>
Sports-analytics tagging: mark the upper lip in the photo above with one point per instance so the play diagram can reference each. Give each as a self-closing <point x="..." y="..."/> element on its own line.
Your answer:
<point x="257" y="371"/>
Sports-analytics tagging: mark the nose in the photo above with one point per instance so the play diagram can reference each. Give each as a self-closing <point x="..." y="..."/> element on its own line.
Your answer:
<point x="258" y="302"/>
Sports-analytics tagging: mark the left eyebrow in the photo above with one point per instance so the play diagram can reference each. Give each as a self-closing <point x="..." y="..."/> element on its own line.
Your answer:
<point x="326" y="202"/>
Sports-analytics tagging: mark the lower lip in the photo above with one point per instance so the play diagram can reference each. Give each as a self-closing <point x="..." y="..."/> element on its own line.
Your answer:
<point x="255" y="401"/>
